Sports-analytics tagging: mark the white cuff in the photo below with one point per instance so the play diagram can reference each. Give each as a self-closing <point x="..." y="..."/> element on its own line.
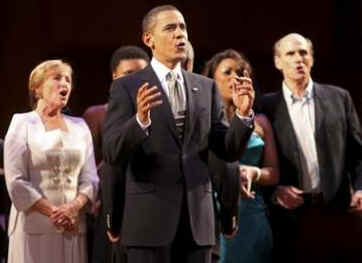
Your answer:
<point x="249" y="120"/>
<point x="143" y="126"/>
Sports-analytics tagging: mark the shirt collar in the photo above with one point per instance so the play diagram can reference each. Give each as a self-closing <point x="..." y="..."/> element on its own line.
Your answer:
<point x="161" y="70"/>
<point x="291" y="99"/>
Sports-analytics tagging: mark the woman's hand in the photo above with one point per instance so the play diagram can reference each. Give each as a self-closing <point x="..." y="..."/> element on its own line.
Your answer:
<point x="66" y="216"/>
<point x="248" y="174"/>
<point x="243" y="94"/>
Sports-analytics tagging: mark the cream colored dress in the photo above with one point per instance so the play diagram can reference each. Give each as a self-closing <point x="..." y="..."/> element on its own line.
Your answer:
<point x="55" y="165"/>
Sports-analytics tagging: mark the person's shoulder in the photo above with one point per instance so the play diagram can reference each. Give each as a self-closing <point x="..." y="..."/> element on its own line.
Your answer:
<point x="131" y="82"/>
<point x="133" y="77"/>
<point x="271" y="95"/>
<point x="270" y="99"/>
<point x="20" y="121"/>
<point x="95" y="110"/>
<point x="24" y="116"/>
<point x="75" y="120"/>
<point x="199" y="81"/>
<point x="197" y="77"/>
<point x="263" y="121"/>
<point x="78" y="126"/>
<point x="261" y="118"/>
<point x="330" y="89"/>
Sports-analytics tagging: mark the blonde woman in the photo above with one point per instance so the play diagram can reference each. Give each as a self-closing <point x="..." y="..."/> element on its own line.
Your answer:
<point x="50" y="173"/>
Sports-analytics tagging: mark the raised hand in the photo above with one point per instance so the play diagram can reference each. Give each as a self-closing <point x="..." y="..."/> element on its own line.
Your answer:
<point x="147" y="98"/>
<point x="243" y="94"/>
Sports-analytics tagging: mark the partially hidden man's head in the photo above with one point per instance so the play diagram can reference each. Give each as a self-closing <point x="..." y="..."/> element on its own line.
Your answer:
<point x="165" y="33"/>
<point x="127" y="60"/>
<point x="188" y="63"/>
<point x="293" y="56"/>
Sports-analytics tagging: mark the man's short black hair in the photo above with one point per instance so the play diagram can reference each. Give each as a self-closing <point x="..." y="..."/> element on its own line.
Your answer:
<point x="127" y="52"/>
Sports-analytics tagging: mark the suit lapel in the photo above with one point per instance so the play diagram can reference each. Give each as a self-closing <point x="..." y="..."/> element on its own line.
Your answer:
<point x="320" y="134"/>
<point x="319" y="109"/>
<point x="162" y="112"/>
<point x="192" y="89"/>
<point x="284" y="130"/>
<point x="283" y="122"/>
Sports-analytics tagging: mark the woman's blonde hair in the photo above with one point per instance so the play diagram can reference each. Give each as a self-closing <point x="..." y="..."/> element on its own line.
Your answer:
<point x="39" y="74"/>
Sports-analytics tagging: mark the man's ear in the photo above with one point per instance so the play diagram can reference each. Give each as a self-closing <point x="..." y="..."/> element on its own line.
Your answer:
<point x="277" y="62"/>
<point x="148" y="39"/>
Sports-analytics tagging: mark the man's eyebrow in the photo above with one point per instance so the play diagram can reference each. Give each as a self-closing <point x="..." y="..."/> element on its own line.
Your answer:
<point x="169" y="25"/>
<point x="174" y="25"/>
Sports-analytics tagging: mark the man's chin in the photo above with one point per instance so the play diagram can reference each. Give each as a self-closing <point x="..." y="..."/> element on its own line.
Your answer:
<point x="301" y="76"/>
<point x="179" y="59"/>
<point x="181" y="56"/>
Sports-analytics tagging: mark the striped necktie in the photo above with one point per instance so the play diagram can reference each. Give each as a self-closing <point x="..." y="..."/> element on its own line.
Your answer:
<point x="177" y="102"/>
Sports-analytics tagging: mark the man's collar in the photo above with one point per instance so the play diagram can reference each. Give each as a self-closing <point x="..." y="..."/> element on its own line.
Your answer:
<point x="161" y="70"/>
<point x="291" y="98"/>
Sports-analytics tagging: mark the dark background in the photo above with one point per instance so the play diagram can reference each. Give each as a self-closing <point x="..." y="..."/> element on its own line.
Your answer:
<point x="85" y="33"/>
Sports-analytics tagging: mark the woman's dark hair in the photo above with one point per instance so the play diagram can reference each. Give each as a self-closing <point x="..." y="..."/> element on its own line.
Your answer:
<point x="214" y="62"/>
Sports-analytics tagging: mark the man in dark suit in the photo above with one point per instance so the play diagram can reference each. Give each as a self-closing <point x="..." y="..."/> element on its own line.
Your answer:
<point x="161" y="122"/>
<point x="318" y="135"/>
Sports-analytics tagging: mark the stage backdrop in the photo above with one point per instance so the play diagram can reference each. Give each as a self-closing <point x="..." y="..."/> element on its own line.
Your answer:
<point x="85" y="33"/>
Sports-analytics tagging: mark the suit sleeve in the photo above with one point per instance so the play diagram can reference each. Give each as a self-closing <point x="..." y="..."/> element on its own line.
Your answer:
<point x="122" y="134"/>
<point x="16" y="155"/>
<point x="227" y="142"/>
<point x="354" y="143"/>
<point x="113" y="196"/>
<point x="226" y="181"/>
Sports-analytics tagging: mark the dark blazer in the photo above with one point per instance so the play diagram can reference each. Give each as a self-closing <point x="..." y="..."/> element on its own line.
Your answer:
<point x="113" y="195"/>
<point x="159" y="164"/>
<point x="338" y="142"/>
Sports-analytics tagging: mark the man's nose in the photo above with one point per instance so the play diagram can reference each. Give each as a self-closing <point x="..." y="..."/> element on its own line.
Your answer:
<point x="181" y="33"/>
<point x="298" y="57"/>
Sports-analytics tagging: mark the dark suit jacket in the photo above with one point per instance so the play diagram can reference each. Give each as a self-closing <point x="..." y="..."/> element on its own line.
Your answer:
<point x="338" y="142"/>
<point x="113" y="195"/>
<point x="159" y="164"/>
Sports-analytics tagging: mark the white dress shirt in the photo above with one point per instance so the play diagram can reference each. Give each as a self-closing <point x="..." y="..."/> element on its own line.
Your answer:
<point x="302" y="114"/>
<point x="161" y="73"/>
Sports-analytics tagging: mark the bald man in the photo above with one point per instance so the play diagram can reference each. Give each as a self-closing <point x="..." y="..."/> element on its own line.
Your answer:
<point x="318" y="135"/>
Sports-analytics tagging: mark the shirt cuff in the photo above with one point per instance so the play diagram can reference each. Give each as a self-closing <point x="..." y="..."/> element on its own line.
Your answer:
<point x="143" y="126"/>
<point x="249" y="120"/>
